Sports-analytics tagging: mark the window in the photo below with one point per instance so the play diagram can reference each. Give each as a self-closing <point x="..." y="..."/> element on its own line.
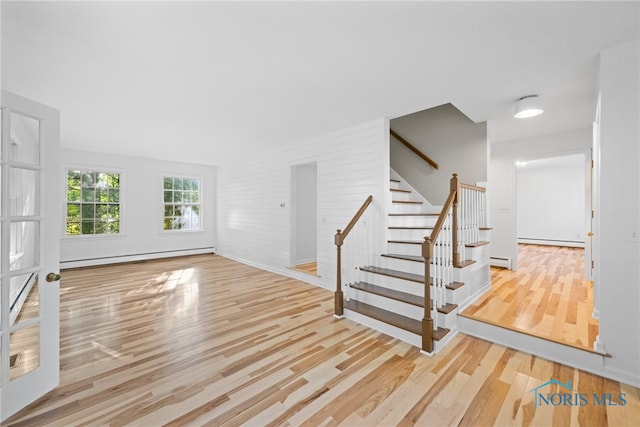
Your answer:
<point x="181" y="203"/>
<point x="93" y="202"/>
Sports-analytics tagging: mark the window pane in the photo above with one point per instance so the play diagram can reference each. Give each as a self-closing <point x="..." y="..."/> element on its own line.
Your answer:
<point x="101" y="212"/>
<point x="168" y="183"/>
<point x="73" y="179"/>
<point x="87" y="227"/>
<point x="102" y="180"/>
<point x="73" y="227"/>
<point x="168" y="210"/>
<point x="168" y="224"/>
<point x="73" y="194"/>
<point x="73" y="211"/>
<point x="114" y="195"/>
<point x="88" y="194"/>
<point x="114" y="211"/>
<point x="114" y="227"/>
<point x="114" y="180"/>
<point x="177" y="183"/>
<point x="88" y="179"/>
<point x="168" y="196"/>
<point x="177" y="196"/>
<point x="88" y="211"/>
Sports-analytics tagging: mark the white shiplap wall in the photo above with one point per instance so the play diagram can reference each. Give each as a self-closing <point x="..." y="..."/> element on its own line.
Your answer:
<point x="352" y="163"/>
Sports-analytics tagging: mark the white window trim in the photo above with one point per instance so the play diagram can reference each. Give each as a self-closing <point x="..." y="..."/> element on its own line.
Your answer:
<point x="201" y="221"/>
<point x="94" y="168"/>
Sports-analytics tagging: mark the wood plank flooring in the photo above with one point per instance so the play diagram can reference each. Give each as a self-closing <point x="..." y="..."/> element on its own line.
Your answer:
<point x="206" y="341"/>
<point x="547" y="297"/>
<point x="309" y="268"/>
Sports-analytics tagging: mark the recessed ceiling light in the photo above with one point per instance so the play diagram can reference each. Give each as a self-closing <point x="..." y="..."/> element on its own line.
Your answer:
<point x="528" y="106"/>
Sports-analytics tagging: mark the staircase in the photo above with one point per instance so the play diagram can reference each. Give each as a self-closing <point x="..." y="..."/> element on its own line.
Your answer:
<point x="389" y="294"/>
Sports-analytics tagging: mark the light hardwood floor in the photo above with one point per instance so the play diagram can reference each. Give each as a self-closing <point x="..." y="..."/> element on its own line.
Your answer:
<point x="547" y="296"/>
<point x="309" y="268"/>
<point x="204" y="340"/>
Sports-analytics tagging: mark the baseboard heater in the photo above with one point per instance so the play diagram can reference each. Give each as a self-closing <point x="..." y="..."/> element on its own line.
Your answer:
<point x="497" y="261"/>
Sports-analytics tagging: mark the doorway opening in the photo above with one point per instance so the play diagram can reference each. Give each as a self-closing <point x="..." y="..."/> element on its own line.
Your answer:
<point x="304" y="218"/>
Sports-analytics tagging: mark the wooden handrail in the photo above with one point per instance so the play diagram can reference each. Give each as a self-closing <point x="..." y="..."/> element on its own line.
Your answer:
<point x="443" y="215"/>
<point x="344" y="233"/>
<point x="339" y="240"/>
<point x="472" y="187"/>
<point x="413" y="148"/>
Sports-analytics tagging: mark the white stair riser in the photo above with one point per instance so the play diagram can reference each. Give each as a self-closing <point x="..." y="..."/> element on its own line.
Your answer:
<point x="406" y="208"/>
<point x="401" y="334"/>
<point x="485" y="235"/>
<point x="405" y="249"/>
<point x="404" y="234"/>
<point x="448" y="320"/>
<point x="402" y="265"/>
<point x="407" y="310"/>
<point x="401" y="285"/>
<point x="480" y="254"/>
<point x="412" y="221"/>
<point x="400" y="195"/>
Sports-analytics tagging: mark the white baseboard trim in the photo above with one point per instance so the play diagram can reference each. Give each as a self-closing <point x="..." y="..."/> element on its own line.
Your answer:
<point x="90" y="262"/>
<point x="548" y="242"/>
<point x="287" y="272"/>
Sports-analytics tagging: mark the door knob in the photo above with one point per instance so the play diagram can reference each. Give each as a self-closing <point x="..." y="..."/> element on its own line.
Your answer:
<point x="590" y="233"/>
<point x="53" y="277"/>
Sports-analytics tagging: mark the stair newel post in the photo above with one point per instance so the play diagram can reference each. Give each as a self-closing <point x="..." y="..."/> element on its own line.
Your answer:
<point x="427" y="321"/>
<point x="455" y="186"/>
<point x="338" y="300"/>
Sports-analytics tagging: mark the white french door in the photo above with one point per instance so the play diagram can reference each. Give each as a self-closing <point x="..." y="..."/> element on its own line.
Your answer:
<point x="30" y="258"/>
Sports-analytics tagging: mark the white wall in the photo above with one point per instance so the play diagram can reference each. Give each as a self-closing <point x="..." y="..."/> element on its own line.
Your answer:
<point x="305" y="205"/>
<point x="502" y="182"/>
<point x="448" y="137"/>
<point x="551" y="201"/>
<point x="352" y="164"/>
<point x="619" y="261"/>
<point x="142" y="235"/>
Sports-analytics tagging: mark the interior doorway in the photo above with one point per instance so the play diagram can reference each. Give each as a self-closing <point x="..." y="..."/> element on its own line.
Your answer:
<point x="304" y="217"/>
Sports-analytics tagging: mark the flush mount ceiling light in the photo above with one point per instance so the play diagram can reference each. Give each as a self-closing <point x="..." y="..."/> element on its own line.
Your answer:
<point x="528" y="106"/>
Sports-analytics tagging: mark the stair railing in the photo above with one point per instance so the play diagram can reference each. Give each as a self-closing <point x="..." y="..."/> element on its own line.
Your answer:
<point x="459" y="223"/>
<point x="340" y="237"/>
<point x="469" y="216"/>
<point x="411" y="147"/>
<point x="436" y="250"/>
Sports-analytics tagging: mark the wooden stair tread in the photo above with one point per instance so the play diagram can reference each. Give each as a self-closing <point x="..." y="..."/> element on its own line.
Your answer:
<point x="465" y="263"/>
<point x="395" y="319"/>
<point x="408" y="242"/>
<point x="412" y="299"/>
<point x="411" y="228"/>
<point x="477" y="244"/>
<point x="417" y="258"/>
<point x="394" y="180"/>
<point x="405" y="276"/>
<point x="394" y="273"/>
<point x="407" y="202"/>
<point x="385" y="316"/>
<point x="415" y="214"/>
<point x="400" y="190"/>
<point x="486" y="228"/>
<point x="411" y="242"/>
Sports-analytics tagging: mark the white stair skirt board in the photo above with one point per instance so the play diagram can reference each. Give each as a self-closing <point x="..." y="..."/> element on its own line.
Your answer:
<point x="570" y="356"/>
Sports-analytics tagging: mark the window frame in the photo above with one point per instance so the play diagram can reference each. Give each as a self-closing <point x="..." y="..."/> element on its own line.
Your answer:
<point x="121" y="200"/>
<point x="164" y="204"/>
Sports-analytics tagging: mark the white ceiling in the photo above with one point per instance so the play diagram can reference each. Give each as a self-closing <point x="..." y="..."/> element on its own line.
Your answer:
<point x="211" y="82"/>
